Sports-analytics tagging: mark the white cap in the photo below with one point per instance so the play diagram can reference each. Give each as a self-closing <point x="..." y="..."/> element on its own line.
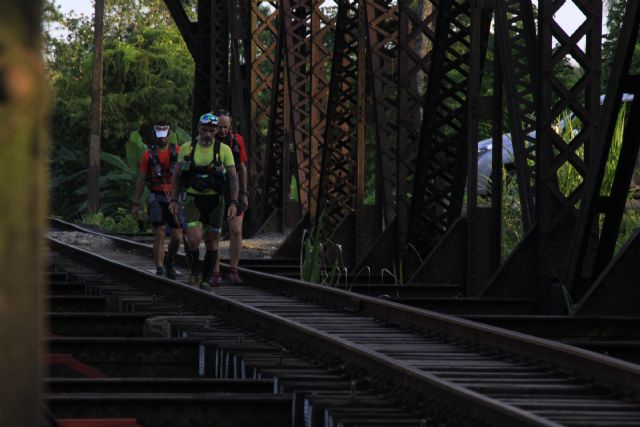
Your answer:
<point x="161" y="131"/>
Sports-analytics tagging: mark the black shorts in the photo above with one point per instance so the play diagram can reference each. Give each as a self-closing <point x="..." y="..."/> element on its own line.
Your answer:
<point x="159" y="211"/>
<point x="205" y="210"/>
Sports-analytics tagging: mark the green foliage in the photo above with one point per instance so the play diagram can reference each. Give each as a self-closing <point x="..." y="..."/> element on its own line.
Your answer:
<point x="614" y="153"/>
<point x="512" y="231"/>
<point x="397" y="273"/>
<point x="182" y="136"/>
<point x="311" y="253"/>
<point x="148" y="76"/>
<point x="120" y="222"/>
<point x="293" y="189"/>
<point x="615" y="14"/>
<point x="568" y="180"/>
<point x="320" y="259"/>
<point x="134" y="149"/>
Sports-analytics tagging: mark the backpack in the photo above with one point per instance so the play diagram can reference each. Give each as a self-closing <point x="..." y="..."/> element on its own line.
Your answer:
<point x="155" y="174"/>
<point x="202" y="178"/>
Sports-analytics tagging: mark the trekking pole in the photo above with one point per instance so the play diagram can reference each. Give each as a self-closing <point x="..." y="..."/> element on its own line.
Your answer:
<point x="185" y="239"/>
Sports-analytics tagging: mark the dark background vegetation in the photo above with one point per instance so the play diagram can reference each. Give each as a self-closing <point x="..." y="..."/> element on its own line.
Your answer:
<point x="148" y="75"/>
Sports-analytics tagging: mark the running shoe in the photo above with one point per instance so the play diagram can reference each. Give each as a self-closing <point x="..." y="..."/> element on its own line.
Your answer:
<point x="234" y="277"/>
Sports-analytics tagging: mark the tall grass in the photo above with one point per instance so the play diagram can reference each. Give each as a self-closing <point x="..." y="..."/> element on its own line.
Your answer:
<point x="321" y="260"/>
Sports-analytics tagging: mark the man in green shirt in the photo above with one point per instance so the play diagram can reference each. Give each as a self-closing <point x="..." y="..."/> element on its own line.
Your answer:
<point x="203" y="168"/>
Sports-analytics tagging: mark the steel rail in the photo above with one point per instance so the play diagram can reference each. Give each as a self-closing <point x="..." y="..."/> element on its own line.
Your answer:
<point x="601" y="369"/>
<point x="475" y="404"/>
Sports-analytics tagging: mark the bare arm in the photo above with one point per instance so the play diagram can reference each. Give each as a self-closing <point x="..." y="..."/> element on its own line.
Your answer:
<point x="139" y="188"/>
<point x="244" y="178"/>
<point x="175" y="181"/>
<point x="137" y="193"/>
<point x="233" y="182"/>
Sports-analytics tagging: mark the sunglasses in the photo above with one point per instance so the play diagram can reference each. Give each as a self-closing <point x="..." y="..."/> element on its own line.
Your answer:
<point x="209" y="118"/>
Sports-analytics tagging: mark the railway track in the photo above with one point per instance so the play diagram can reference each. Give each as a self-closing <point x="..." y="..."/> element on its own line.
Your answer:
<point x="446" y="370"/>
<point x="615" y="336"/>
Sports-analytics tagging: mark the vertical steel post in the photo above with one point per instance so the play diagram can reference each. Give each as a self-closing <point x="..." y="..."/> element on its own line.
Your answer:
<point x="477" y="109"/>
<point x="202" y="58"/>
<point x="264" y="35"/>
<point x="599" y="204"/>
<point x="24" y="164"/>
<point x="341" y="186"/>
<point x="239" y="21"/>
<point x="276" y="185"/>
<point x="220" y="58"/>
<point x="382" y="64"/>
<point x="439" y="183"/>
<point x="322" y="27"/>
<point x="558" y="158"/>
<point x="296" y="15"/>
<point x="515" y="33"/>
<point x="416" y="36"/>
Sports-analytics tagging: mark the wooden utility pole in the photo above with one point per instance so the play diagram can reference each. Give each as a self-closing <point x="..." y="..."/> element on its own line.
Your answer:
<point x="93" y="200"/>
<point x="24" y="101"/>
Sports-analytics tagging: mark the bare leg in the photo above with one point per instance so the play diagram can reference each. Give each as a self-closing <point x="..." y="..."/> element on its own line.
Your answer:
<point x="174" y="243"/>
<point x="235" y="240"/>
<point x="158" y="246"/>
<point x="194" y="234"/>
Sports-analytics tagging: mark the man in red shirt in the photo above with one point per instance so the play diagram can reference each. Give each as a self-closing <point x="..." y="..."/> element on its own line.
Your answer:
<point x="156" y="168"/>
<point x="236" y="142"/>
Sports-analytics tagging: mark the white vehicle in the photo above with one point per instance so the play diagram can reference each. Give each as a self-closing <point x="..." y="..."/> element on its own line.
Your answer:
<point x="485" y="153"/>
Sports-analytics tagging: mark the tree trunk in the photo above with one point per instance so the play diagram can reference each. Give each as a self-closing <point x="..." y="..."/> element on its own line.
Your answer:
<point x="23" y="200"/>
<point x="93" y="196"/>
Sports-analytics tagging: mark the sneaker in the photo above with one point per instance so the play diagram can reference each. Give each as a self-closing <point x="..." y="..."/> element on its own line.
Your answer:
<point x="216" y="280"/>
<point x="234" y="277"/>
<point x="159" y="271"/>
<point x="194" y="279"/>
<point x="208" y="286"/>
<point x="170" y="270"/>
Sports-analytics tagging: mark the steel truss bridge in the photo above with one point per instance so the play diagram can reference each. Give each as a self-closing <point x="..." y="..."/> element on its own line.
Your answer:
<point x="310" y="81"/>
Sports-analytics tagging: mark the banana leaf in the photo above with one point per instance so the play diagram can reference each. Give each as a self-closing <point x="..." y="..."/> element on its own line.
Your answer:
<point x="114" y="160"/>
<point x="63" y="179"/>
<point x="134" y="149"/>
<point x="183" y="136"/>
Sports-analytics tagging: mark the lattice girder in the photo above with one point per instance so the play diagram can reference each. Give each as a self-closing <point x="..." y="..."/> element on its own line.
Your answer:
<point x="414" y="64"/>
<point x="382" y="57"/>
<point x="515" y="33"/>
<point x="277" y="141"/>
<point x="263" y="43"/>
<point x="562" y="162"/>
<point x="297" y="28"/>
<point x="440" y="180"/>
<point x="341" y="182"/>
<point x="322" y="29"/>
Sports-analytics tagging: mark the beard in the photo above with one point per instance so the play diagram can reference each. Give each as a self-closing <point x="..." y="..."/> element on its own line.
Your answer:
<point x="206" y="142"/>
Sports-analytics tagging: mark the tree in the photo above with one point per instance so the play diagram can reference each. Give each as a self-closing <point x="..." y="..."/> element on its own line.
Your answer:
<point x="148" y="75"/>
<point x="93" y="196"/>
<point x="615" y="15"/>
